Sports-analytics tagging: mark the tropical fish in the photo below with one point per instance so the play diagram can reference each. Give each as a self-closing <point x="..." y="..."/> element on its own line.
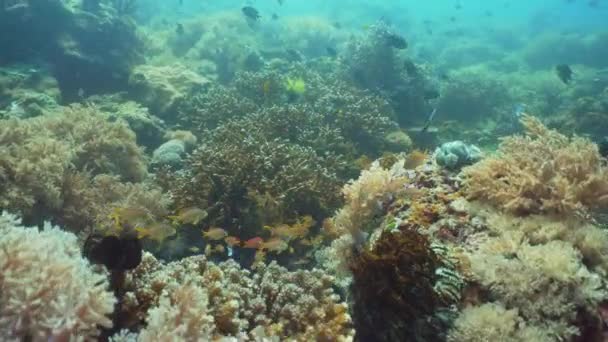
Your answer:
<point x="564" y="72"/>
<point x="255" y="242"/>
<point x="158" y="231"/>
<point x="251" y="13"/>
<point x="129" y="216"/>
<point x="298" y="230"/>
<point x="429" y="120"/>
<point x="215" y="234"/>
<point x="190" y="215"/>
<point x="232" y="241"/>
<point x="194" y="249"/>
<point x="275" y="245"/>
<point x="296" y="86"/>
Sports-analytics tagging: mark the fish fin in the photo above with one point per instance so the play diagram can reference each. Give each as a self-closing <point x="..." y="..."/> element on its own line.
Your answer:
<point x="142" y="232"/>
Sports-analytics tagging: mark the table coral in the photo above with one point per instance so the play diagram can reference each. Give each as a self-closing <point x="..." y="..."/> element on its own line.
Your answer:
<point x="49" y="292"/>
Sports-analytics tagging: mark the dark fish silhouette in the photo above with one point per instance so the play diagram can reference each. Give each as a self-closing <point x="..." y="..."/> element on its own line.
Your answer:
<point x="251" y="13"/>
<point x="117" y="254"/>
<point x="564" y="73"/>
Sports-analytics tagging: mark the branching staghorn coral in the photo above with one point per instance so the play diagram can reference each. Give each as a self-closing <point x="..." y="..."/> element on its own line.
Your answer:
<point x="236" y="166"/>
<point x="49" y="292"/>
<point x="298" y="306"/>
<point x="328" y="107"/>
<point x="543" y="172"/>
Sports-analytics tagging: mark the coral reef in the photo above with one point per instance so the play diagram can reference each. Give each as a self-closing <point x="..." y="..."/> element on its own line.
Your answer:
<point x="373" y="63"/>
<point x="149" y="129"/>
<point x="27" y="92"/>
<point x="235" y="169"/>
<point x="492" y="322"/>
<point x="473" y="95"/>
<point x="507" y="254"/>
<point x="48" y="165"/>
<point x="393" y="292"/>
<point x="541" y="172"/>
<point x="298" y="306"/>
<point x="49" y="292"/>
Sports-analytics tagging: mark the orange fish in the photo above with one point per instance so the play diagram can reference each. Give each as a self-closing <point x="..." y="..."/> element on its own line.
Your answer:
<point x="255" y="242"/>
<point x="215" y="234"/>
<point x="232" y="241"/>
<point x="297" y="230"/>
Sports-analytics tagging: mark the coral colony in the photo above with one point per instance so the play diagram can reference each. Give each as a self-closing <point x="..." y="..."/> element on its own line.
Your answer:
<point x="202" y="171"/>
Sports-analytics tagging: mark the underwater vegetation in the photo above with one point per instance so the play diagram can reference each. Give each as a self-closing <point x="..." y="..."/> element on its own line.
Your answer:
<point x="303" y="171"/>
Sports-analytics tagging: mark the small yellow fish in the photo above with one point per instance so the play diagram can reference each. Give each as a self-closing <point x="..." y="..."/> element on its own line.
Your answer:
<point x="297" y="230"/>
<point x="130" y="216"/>
<point x="192" y="215"/>
<point x="194" y="249"/>
<point x="215" y="234"/>
<point x="275" y="245"/>
<point x="157" y="231"/>
<point x="297" y="85"/>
